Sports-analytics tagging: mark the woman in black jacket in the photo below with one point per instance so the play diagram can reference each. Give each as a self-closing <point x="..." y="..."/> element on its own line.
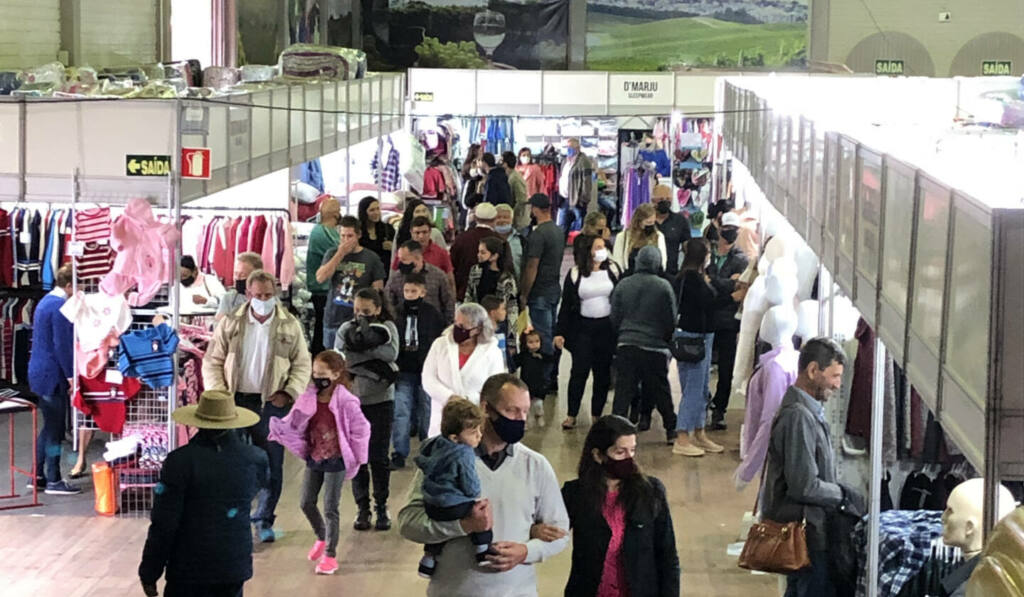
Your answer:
<point x="698" y="301"/>
<point x="622" y="537"/>
<point x="584" y="324"/>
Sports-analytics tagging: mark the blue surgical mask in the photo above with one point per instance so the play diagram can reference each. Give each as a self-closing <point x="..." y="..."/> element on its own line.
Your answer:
<point x="571" y="152"/>
<point x="503" y="229"/>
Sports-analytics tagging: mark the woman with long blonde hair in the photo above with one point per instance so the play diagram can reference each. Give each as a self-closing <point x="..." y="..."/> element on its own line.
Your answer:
<point x="642" y="231"/>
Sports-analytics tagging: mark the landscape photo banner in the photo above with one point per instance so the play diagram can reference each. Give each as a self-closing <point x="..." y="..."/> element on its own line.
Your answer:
<point x="528" y="34"/>
<point x="645" y="35"/>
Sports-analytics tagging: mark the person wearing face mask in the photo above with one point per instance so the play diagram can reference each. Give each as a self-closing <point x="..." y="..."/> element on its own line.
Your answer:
<point x="642" y="232"/>
<point x="259" y="354"/>
<point x="245" y="264"/>
<point x="324" y="237"/>
<point x="419" y="325"/>
<point x="494" y="275"/>
<point x="496" y="186"/>
<point x="576" y="186"/>
<point x="800" y="473"/>
<point x="326" y="429"/>
<point x="517" y="184"/>
<point x="503" y="225"/>
<point x="370" y="343"/>
<point x="584" y="325"/>
<point x="534" y="179"/>
<point x="674" y="227"/>
<point x="461" y="360"/>
<point x="595" y="224"/>
<point x="727" y="264"/>
<point x="623" y="542"/>
<point x="472" y="183"/>
<point x="467" y="244"/>
<point x="199" y="293"/>
<point x="518" y="495"/>
<point x="439" y="292"/>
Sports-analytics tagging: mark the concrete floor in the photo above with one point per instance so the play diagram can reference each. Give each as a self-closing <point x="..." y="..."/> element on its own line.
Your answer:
<point x="63" y="549"/>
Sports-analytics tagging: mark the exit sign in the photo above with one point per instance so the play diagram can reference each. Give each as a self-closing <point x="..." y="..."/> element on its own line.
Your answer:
<point x="889" y="67"/>
<point x="997" y="68"/>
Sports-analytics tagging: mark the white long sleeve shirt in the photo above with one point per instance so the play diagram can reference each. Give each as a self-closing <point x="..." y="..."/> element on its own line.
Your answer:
<point x="522" y="491"/>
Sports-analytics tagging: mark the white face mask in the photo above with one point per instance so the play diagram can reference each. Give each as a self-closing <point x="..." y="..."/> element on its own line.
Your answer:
<point x="474" y="172"/>
<point x="263" y="308"/>
<point x="601" y="255"/>
<point x="524" y="159"/>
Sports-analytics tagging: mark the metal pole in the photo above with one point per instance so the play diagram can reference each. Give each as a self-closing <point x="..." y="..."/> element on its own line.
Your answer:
<point x="75" y="416"/>
<point x="875" y="509"/>
<point x="821" y="294"/>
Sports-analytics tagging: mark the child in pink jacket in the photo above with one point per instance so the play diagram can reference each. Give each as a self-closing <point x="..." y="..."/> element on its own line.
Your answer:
<point x="327" y="429"/>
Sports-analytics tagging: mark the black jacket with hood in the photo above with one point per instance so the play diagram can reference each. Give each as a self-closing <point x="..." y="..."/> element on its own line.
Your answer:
<point x="644" y="305"/>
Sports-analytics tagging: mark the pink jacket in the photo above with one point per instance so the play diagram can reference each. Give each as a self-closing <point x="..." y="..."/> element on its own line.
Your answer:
<point x="353" y="428"/>
<point x="145" y="247"/>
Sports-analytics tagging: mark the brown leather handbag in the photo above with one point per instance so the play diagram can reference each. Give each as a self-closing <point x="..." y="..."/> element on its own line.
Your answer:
<point x="776" y="547"/>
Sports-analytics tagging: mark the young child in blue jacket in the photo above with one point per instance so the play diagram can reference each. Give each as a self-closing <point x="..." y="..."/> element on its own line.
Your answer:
<point x="450" y="483"/>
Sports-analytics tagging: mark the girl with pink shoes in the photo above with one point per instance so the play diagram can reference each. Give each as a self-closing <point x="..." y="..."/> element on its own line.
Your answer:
<point x="327" y="429"/>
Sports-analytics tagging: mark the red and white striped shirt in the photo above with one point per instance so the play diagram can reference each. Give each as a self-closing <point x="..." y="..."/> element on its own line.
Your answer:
<point x="96" y="261"/>
<point x="92" y="225"/>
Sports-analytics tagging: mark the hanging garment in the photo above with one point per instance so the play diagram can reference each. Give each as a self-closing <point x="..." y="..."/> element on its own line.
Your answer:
<point x="6" y="250"/>
<point x="149" y="355"/>
<point x="144" y="246"/>
<point x="106" y="402"/>
<point x="777" y="370"/>
<point x="905" y="543"/>
<point x="92" y="225"/>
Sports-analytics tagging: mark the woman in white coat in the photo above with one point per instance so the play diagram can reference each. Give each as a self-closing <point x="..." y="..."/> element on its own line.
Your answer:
<point x="461" y="360"/>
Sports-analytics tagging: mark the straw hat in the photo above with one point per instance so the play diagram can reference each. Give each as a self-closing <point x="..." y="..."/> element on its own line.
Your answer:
<point x="216" y="410"/>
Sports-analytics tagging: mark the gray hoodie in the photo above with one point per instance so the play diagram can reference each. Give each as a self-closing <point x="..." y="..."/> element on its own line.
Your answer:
<point x="644" y="305"/>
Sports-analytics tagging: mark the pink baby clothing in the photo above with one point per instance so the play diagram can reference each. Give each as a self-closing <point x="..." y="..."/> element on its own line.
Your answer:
<point x="99" y="321"/>
<point x="144" y="248"/>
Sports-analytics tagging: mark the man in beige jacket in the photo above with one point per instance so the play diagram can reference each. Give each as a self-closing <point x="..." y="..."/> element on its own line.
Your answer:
<point x="259" y="354"/>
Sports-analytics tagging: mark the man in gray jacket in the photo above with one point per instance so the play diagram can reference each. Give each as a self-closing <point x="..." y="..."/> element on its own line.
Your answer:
<point x="800" y="476"/>
<point x="644" y="318"/>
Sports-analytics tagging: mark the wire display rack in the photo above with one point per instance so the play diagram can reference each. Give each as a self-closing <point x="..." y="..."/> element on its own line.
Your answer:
<point x="148" y="413"/>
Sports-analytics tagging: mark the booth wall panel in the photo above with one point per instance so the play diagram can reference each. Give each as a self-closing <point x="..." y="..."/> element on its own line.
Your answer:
<point x="29" y="32"/>
<point x="118" y="32"/>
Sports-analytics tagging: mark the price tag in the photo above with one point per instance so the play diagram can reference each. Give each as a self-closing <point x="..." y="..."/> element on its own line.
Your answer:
<point x="76" y="248"/>
<point x="114" y="377"/>
<point x="25" y="237"/>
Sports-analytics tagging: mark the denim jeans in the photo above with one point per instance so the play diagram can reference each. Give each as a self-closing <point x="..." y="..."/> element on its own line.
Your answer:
<point x="312" y="483"/>
<point x="542" y="314"/>
<point x="412" y="412"/>
<point x="570" y="218"/>
<point x="813" y="581"/>
<point x="267" y="498"/>
<point x="693" y="382"/>
<point x="48" y="447"/>
<point x="329" y="336"/>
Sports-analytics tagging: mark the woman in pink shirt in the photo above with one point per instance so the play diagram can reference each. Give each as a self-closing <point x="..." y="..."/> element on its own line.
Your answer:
<point x="623" y="543"/>
<point x="530" y="172"/>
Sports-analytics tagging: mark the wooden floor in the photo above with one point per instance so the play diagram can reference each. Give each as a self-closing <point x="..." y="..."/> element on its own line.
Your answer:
<point x="63" y="550"/>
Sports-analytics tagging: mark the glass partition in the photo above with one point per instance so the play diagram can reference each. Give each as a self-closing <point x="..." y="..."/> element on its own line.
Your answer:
<point x="869" y="207"/>
<point x="899" y="225"/>
<point x="828" y="203"/>
<point x="930" y="262"/>
<point x="845" y="194"/>
<point x="967" y="332"/>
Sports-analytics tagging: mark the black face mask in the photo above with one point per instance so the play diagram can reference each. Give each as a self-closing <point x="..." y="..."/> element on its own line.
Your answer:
<point x="649" y="229"/>
<point x="240" y="286"/>
<point x="730" y="235"/>
<point x="485" y="263"/>
<point x="510" y="431"/>
<point x="186" y="282"/>
<point x="619" y="469"/>
<point x="663" y="207"/>
<point x="406" y="268"/>
<point x="413" y="306"/>
<point x="322" y="383"/>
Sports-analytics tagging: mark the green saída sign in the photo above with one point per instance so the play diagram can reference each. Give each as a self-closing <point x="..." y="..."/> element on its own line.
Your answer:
<point x="889" y="67"/>
<point x="147" y="165"/>
<point x="997" y="68"/>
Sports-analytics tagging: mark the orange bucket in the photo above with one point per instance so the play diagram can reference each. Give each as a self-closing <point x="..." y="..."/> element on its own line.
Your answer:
<point x="103" y="483"/>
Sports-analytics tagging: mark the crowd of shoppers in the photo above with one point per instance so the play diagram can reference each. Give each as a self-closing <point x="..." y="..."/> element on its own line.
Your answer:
<point x="415" y="341"/>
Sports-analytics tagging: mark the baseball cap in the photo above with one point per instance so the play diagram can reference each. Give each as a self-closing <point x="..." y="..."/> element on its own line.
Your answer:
<point x="540" y="200"/>
<point x="730" y="219"/>
<point x="485" y="211"/>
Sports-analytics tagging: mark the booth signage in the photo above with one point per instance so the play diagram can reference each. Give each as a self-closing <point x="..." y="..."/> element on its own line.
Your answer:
<point x="888" y="67"/>
<point x="147" y="165"/>
<point x="195" y="162"/>
<point x="423" y="96"/>
<point x="997" y="68"/>
<point x="643" y="90"/>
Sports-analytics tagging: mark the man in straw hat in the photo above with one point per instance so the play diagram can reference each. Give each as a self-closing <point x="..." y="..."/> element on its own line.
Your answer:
<point x="259" y="354"/>
<point x="199" y="537"/>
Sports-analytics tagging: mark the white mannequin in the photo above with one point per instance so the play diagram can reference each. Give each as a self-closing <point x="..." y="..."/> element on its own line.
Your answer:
<point x="962" y="521"/>
<point x="768" y="385"/>
<point x="844" y="326"/>
<point x="777" y="287"/>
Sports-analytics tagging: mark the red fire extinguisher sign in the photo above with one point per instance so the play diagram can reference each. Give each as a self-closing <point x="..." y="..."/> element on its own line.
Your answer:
<point x="195" y="162"/>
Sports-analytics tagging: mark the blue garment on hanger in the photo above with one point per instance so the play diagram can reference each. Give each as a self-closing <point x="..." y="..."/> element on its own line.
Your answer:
<point x="661" y="162"/>
<point x="51" y="241"/>
<point x="312" y="175"/>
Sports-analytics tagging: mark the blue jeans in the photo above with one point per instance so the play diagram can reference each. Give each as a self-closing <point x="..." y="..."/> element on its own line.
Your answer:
<point x="570" y="218"/>
<point x="267" y="498"/>
<point x="329" y="335"/>
<point x="412" y="412"/>
<point x="693" y="382"/>
<point x="813" y="581"/>
<point x="48" y="446"/>
<point x="542" y="314"/>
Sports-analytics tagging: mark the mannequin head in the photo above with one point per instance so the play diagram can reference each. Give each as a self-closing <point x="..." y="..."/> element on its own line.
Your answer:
<point x="963" y="518"/>
<point x="776" y="247"/>
<point x="778" y="326"/>
<point x="807" y="319"/>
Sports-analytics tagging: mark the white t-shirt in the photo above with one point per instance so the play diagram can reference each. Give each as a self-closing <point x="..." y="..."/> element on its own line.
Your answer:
<point x="95" y="315"/>
<point x="254" y="354"/>
<point x="595" y="295"/>
<point x="564" y="177"/>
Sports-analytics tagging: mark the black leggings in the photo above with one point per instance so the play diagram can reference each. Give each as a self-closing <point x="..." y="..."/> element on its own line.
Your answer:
<point x="592" y="351"/>
<point x="380" y="417"/>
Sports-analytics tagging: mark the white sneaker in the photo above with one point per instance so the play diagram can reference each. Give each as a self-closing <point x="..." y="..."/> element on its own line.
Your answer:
<point x="537" y="410"/>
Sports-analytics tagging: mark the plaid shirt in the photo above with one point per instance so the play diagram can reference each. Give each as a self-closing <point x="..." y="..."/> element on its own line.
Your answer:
<point x="904" y="547"/>
<point x="387" y="177"/>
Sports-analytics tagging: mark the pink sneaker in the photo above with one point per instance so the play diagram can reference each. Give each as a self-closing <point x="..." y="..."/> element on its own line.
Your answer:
<point x="317" y="551"/>
<point x="328" y="565"/>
